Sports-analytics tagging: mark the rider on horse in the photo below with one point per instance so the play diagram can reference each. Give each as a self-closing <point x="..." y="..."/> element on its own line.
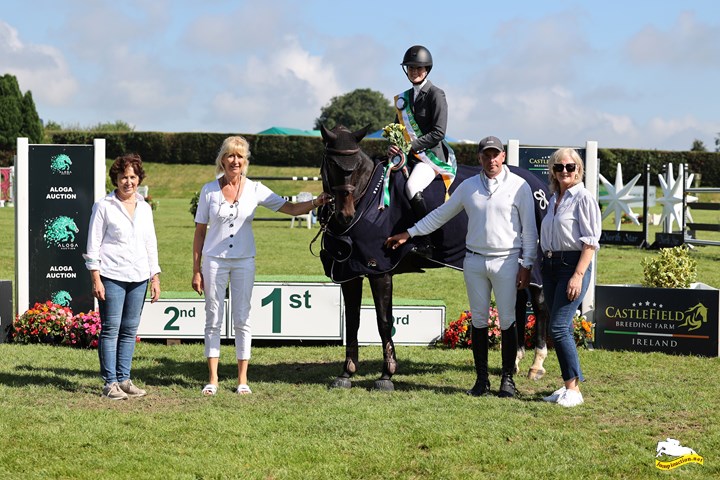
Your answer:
<point x="423" y="111"/>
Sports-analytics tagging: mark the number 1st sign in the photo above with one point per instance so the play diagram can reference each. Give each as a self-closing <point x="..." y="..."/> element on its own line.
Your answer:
<point x="309" y="311"/>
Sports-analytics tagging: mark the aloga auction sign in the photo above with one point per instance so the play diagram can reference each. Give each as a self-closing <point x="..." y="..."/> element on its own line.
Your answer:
<point x="57" y="187"/>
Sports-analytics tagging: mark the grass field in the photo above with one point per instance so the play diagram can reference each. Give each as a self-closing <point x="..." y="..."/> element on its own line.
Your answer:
<point x="54" y="425"/>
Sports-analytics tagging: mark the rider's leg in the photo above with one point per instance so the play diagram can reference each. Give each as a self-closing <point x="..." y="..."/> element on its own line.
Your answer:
<point x="422" y="175"/>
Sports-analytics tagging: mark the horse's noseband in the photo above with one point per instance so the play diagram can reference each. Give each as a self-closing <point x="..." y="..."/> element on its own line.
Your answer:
<point x="344" y="190"/>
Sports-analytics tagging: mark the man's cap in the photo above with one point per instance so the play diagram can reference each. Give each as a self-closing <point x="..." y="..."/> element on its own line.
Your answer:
<point x="490" y="142"/>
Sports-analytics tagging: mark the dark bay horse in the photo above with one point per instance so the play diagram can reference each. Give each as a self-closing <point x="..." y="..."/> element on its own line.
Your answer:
<point x="355" y="229"/>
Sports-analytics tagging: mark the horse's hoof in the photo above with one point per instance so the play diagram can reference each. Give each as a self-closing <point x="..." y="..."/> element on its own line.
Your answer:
<point x="384" y="385"/>
<point x="341" y="382"/>
<point x="536" y="373"/>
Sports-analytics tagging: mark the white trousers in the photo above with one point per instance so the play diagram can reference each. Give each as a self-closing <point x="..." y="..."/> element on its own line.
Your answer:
<point x="421" y="176"/>
<point x="240" y="273"/>
<point x="483" y="275"/>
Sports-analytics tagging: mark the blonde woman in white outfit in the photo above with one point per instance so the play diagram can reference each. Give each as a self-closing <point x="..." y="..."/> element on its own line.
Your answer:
<point x="224" y="251"/>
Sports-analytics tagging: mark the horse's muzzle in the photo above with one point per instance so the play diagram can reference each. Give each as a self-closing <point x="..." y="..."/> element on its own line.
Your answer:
<point x="344" y="203"/>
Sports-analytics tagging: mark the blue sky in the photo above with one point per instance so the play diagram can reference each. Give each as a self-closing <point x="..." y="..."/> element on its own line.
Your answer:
<point x="629" y="74"/>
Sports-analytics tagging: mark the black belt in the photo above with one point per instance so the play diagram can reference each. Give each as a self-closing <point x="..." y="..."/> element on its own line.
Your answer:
<point x="471" y="252"/>
<point x="559" y="253"/>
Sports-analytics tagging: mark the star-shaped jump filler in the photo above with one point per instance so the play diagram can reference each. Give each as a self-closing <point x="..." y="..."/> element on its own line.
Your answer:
<point x="618" y="197"/>
<point x="672" y="199"/>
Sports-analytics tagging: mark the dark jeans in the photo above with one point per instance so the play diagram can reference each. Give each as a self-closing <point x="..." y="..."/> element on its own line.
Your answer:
<point x="119" y="317"/>
<point x="556" y="273"/>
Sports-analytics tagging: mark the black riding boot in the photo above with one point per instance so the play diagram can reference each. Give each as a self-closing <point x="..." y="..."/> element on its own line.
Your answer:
<point x="509" y="351"/>
<point x="479" y="337"/>
<point x="423" y="246"/>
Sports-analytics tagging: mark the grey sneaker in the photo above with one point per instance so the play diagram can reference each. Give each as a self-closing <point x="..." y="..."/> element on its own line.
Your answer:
<point x="131" y="390"/>
<point x="112" y="391"/>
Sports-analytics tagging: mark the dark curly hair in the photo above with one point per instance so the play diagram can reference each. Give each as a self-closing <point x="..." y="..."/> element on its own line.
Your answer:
<point x="122" y="162"/>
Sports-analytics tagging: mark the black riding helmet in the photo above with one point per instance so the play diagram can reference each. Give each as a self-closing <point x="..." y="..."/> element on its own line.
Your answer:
<point x="417" y="56"/>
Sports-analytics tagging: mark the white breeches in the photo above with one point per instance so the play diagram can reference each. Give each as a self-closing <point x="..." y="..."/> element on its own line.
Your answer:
<point x="483" y="275"/>
<point x="422" y="175"/>
<point x="240" y="273"/>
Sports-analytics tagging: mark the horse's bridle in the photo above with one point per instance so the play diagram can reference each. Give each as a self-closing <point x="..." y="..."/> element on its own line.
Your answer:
<point x="350" y="168"/>
<point x="347" y="167"/>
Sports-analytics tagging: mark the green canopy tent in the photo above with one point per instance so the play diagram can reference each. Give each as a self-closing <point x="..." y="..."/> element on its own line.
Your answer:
<point x="289" y="131"/>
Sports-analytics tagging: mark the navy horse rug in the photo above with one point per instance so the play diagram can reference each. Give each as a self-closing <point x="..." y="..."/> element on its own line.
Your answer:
<point x="358" y="249"/>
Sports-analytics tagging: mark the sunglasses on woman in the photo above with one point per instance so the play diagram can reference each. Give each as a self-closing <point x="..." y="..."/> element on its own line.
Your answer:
<point x="559" y="167"/>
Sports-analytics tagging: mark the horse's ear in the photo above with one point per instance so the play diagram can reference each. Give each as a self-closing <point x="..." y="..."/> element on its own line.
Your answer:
<point x="326" y="134"/>
<point x="360" y="134"/>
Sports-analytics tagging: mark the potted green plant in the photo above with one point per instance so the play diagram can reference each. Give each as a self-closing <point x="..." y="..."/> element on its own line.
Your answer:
<point x="670" y="268"/>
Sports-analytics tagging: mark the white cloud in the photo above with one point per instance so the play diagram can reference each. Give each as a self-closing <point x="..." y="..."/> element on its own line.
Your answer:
<point x="41" y="69"/>
<point x="690" y="42"/>
<point x="252" y="27"/>
<point x="286" y="87"/>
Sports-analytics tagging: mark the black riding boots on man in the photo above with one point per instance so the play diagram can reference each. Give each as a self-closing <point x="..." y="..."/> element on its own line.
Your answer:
<point x="423" y="246"/>
<point x="479" y="339"/>
<point x="509" y="353"/>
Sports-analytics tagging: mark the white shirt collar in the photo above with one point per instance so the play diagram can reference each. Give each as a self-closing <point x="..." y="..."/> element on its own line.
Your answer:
<point x="419" y="87"/>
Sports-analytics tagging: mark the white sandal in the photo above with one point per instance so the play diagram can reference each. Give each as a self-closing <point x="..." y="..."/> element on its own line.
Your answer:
<point x="243" y="389"/>
<point x="209" y="390"/>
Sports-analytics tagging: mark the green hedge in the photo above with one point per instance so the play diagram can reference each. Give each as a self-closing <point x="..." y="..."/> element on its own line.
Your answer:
<point x="633" y="161"/>
<point x="282" y="150"/>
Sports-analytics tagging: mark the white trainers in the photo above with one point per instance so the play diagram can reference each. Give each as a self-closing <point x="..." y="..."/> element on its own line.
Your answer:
<point x="112" y="391"/>
<point x="555" y="396"/>
<point x="570" y="398"/>
<point x="131" y="390"/>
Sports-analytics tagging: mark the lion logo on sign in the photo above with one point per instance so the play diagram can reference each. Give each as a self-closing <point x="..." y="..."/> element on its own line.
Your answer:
<point x="60" y="230"/>
<point x="60" y="163"/>
<point x="61" y="298"/>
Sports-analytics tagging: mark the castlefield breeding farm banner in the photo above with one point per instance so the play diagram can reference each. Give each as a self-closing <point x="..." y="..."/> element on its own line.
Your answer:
<point x="57" y="187"/>
<point x="670" y="320"/>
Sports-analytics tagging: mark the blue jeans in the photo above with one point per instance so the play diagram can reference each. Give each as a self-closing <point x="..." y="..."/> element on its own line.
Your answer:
<point x="556" y="273"/>
<point x="119" y="319"/>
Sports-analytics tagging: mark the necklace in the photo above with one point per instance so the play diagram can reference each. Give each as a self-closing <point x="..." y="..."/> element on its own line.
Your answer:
<point x="237" y="188"/>
<point x="486" y="183"/>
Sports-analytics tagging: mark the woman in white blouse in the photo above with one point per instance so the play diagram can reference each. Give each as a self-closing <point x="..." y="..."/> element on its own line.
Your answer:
<point x="224" y="251"/>
<point x="569" y="236"/>
<point x="122" y="256"/>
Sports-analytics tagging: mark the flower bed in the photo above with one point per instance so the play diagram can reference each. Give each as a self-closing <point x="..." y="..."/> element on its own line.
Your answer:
<point x="54" y="324"/>
<point x="457" y="334"/>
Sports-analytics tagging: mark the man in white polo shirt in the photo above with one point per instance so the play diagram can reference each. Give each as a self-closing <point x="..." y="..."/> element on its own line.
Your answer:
<point x="501" y="247"/>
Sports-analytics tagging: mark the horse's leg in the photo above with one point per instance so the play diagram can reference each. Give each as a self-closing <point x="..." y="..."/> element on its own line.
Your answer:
<point x="381" y="286"/>
<point x="520" y="310"/>
<point x="542" y="318"/>
<point x="352" y="297"/>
